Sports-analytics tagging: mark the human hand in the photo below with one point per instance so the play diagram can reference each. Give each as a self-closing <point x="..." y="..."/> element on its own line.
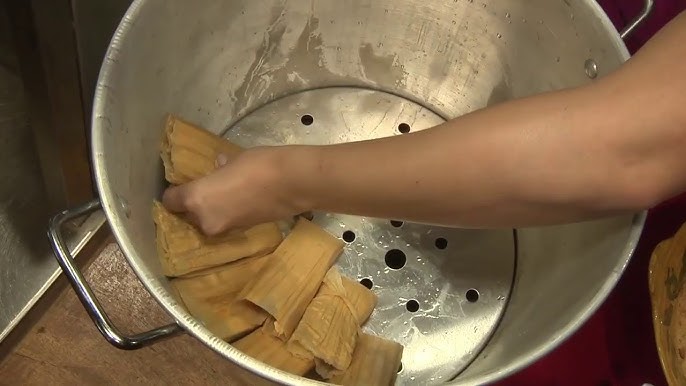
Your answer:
<point x="251" y="188"/>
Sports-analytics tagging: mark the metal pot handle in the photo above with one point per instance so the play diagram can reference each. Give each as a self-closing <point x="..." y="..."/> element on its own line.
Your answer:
<point x="648" y="6"/>
<point x="84" y="292"/>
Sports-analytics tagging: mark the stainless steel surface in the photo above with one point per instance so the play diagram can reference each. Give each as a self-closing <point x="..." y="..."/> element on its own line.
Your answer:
<point x="214" y="62"/>
<point x="94" y="24"/>
<point x="648" y="6"/>
<point x="84" y="292"/>
<point x="26" y="266"/>
<point x="408" y="265"/>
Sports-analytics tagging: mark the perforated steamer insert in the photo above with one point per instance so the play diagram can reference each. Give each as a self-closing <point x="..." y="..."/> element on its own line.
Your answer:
<point x="441" y="291"/>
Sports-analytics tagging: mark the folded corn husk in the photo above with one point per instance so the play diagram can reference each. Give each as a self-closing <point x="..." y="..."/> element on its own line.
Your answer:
<point x="286" y="285"/>
<point x="183" y="249"/>
<point x="329" y="328"/>
<point x="211" y="298"/>
<point x="375" y="363"/>
<point x="189" y="152"/>
<point x="271" y="350"/>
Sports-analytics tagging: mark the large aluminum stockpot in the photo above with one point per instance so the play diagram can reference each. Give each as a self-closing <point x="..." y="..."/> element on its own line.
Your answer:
<point x="253" y="70"/>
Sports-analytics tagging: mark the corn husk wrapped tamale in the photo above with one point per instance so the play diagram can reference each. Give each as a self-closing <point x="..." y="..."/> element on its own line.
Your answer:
<point x="329" y="328"/>
<point x="285" y="286"/>
<point x="189" y="152"/>
<point x="375" y="363"/>
<point x="210" y="296"/>
<point x="271" y="350"/>
<point x="183" y="249"/>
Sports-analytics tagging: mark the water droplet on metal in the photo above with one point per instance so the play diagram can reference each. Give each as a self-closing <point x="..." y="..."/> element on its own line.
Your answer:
<point x="507" y="15"/>
<point x="591" y="68"/>
<point x="499" y="35"/>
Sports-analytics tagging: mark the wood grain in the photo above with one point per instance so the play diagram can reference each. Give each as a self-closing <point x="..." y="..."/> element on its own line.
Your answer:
<point x="65" y="348"/>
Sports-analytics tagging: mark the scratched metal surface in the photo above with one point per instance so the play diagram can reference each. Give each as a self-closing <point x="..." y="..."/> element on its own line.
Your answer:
<point x="214" y="62"/>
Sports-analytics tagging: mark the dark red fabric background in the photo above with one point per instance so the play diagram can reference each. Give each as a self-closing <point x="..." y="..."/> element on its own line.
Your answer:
<point x="616" y="346"/>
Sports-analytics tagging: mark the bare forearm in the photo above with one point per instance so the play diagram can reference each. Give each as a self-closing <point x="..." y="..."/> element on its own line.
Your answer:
<point x="526" y="162"/>
<point x="610" y="147"/>
<point x="614" y="146"/>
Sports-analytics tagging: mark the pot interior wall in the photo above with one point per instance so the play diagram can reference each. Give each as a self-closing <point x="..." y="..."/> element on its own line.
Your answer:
<point x="213" y="62"/>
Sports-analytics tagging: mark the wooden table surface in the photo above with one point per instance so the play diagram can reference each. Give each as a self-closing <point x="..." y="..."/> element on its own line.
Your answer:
<point x="63" y="347"/>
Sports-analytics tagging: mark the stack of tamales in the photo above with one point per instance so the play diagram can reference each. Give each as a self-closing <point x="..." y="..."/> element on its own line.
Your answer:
<point x="279" y="300"/>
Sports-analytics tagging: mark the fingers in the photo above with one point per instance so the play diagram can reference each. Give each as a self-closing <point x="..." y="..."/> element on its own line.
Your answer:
<point x="191" y="201"/>
<point x="174" y="199"/>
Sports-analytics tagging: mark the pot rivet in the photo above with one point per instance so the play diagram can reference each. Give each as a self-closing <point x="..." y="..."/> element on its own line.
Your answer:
<point x="591" y="68"/>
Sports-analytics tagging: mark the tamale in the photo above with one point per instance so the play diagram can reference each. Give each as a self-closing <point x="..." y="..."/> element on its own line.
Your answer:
<point x="227" y="317"/>
<point x="189" y="152"/>
<point x="286" y="285"/>
<point x="183" y="249"/>
<point x="225" y="279"/>
<point x="375" y="363"/>
<point x="272" y="351"/>
<point x="329" y="328"/>
<point x="211" y="298"/>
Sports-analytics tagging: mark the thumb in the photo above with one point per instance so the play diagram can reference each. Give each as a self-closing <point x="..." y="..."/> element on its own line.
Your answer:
<point x="175" y="199"/>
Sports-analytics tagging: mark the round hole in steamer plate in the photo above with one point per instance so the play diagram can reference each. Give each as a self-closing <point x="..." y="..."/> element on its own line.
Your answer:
<point x="412" y="305"/>
<point x="396" y="223"/>
<point x="367" y="282"/>
<point x="395" y="259"/>
<point x="404" y="128"/>
<point x="441" y="243"/>
<point x="348" y="236"/>
<point x="307" y="119"/>
<point x="472" y="295"/>
<point x="400" y="368"/>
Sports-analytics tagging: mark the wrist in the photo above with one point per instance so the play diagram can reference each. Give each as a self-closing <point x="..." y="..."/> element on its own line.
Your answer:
<point x="298" y="172"/>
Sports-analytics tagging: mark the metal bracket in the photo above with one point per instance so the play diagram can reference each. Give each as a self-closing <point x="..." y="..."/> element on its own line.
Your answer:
<point x="85" y="294"/>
